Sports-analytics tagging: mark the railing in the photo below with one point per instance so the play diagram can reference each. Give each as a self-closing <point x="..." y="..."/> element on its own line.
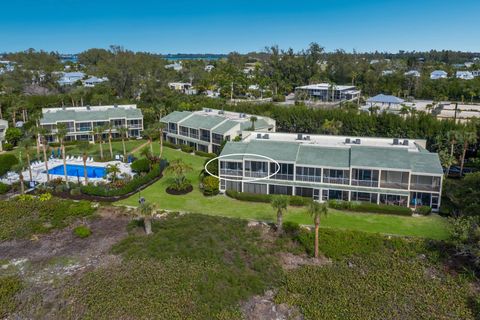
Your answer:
<point x="194" y="136"/>
<point x="231" y="172"/>
<point x="174" y="131"/>
<point x="256" y="174"/>
<point x="184" y="133"/>
<point x="217" y="141"/>
<point x="365" y="183"/>
<point x="82" y="129"/>
<point x="336" y="180"/>
<point x="393" y="185"/>
<point x="301" y="177"/>
<point x="134" y="126"/>
<point x="205" y="138"/>
<point x="281" y="176"/>
<point x="424" y="187"/>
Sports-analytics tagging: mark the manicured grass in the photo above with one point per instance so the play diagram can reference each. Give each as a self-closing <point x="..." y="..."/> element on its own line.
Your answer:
<point x="430" y="227"/>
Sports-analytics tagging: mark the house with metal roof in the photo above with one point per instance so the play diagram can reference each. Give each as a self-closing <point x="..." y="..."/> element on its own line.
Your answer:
<point x="327" y="92"/>
<point x="412" y="73"/>
<point x="464" y="75"/>
<point x="69" y="78"/>
<point x="93" y="81"/>
<point x="81" y="122"/>
<point x="377" y="170"/>
<point x="438" y="74"/>
<point x="384" y="103"/>
<point x="3" y="129"/>
<point x="207" y="129"/>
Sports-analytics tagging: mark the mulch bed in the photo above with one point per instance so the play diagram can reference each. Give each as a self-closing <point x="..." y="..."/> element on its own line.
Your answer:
<point x="179" y="192"/>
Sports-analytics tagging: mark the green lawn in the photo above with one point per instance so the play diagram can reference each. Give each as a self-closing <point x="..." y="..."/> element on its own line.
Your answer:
<point x="430" y="227"/>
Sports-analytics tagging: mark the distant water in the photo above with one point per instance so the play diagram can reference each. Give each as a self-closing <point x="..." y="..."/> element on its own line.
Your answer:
<point x="187" y="57"/>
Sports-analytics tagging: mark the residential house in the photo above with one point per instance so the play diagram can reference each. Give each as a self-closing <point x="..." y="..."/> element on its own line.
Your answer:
<point x="209" y="68"/>
<point x="82" y="121"/>
<point x="174" y="66"/>
<point x="207" y="129"/>
<point x="320" y="167"/>
<point x="384" y="103"/>
<point x="183" y="87"/>
<point x="438" y="74"/>
<point x="412" y="73"/>
<point x="69" y="78"/>
<point x="327" y="92"/>
<point x="93" y="81"/>
<point x="465" y="75"/>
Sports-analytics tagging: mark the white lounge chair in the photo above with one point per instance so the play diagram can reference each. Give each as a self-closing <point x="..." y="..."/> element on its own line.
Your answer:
<point x="90" y="159"/>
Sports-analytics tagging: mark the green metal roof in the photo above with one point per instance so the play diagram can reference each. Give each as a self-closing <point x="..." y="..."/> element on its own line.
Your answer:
<point x="90" y="115"/>
<point x="197" y="121"/>
<point x="225" y="127"/>
<point x="260" y="124"/>
<point x="323" y="156"/>
<point x="356" y="156"/>
<point x="176" y="116"/>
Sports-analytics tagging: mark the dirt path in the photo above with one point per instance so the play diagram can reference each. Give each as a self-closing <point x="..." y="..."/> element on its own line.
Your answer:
<point x="139" y="147"/>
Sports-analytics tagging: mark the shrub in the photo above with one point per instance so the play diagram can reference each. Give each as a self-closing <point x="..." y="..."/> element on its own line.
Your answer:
<point x="205" y="154"/>
<point x="210" y="186"/>
<point x="186" y="148"/>
<point x="254" y="197"/>
<point x="423" y="210"/>
<point x="82" y="231"/>
<point x="4" y="188"/>
<point x="171" y="145"/>
<point x="25" y="197"/>
<point x="299" y="201"/>
<point x="141" y="165"/>
<point x="291" y="228"/>
<point x="13" y="135"/>
<point x="76" y="191"/>
<point x="7" y="161"/>
<point x="8" y="146"/>
<point x="45" y="197"/>
<point x="278" y="98"/>
<point x="369" y="207"/>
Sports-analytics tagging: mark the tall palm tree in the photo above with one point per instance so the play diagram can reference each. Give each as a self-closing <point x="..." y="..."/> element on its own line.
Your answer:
<point x="43" y="134"/>
<point x="61" y="134"/>
<point x="150" y="133"/>
<point x="109" y="128"/>
<point x="452" y="136"/>
<point x="113" y="170"/>
<point x="35" y="133"/>
<point x="26" y="144"/>
<point x="468" y="136"/>
<point x="84" y="147"/>
<point x="19" y="169"/>
<point x="280" y="204"/>
<point x="160" y="126"/>
<point x="146" y="210"/>
<point x="98" y="133"/>
<point x="178" y="168"/>
<point x="316" y="210"/>
<point x="123" y="131"/>
<point x="253" y="119"/>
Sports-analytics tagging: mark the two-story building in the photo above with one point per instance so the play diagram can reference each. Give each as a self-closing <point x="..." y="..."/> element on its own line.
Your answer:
<point x="327" y="92"/>
<point x="207" y="129"/>
<point x="82" y="121"/>
<point x="3" y="129"/>
<point x="378" y="170"/>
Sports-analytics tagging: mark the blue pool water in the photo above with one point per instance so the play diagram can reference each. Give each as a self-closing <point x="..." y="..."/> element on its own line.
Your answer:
<point x="74" y="170"/>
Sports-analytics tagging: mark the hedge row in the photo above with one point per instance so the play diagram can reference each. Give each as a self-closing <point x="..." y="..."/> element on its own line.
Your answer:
<point x="266" y="198"/>
<point x="369" y="207"/>
<point x="171" y="145"/>
<point x="137" y="182"/>
<point x="7" y="161"/>
<point x="205" y="154"/>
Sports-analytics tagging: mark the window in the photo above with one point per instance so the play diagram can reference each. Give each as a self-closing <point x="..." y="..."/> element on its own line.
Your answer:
<point x="205" y="135"/>
<point x="336" y="176"/>
<point x="231" y="168"/>
<point x="365" y="177"/>
<point x="418" y="199"/>
<point x="184" y="131"/>
<point x="393" y="199"/>
<point x="304" y="192"/>
<point x="255" y="188"/>
<point x="233" y="185"/>
<point x="394" y="179"/>
<point x="426" y="183"/>
<point x="217" y="138"/>
<point x="308" y="174"/>
<point x="277" y="189"/>
<point x="285" y="171"/>
<point x="331" y="194"/>
<point x="364" y="197"/>
<point x="256" y="169"/>
<point x="194" y="133"/>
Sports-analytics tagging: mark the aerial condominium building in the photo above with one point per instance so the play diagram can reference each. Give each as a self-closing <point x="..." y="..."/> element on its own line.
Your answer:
<point x="3" y="129"/>
<point x="207" y="129"/>
<point x="327" y="92"/>
<point x="81" y="122"/>
<point x="378" y="170"/>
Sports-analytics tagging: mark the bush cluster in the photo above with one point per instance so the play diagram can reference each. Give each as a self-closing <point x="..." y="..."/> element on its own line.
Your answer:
<point x="186" y="148"/>
<point x="369" y="207"/>
<point x="7" y="161"/>
<point x="141" y="165"/>
<point x="210" y="186"/>
<point x="423" y="210"/>
<point x="82" y="231"/>
<point x="205" y="154"/>
<point x="171" y="145"/>
<point x="4" y="188"/>
<point x="266" y="198"/>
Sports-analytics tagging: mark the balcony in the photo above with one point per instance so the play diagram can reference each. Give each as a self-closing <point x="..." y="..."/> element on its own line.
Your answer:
<point x="184" y="133"/>
<point x="84" y="129"/>
<point x="365" y="183"/>
<point x="425" y="187"/>
<point x="307" y="178"/>
<point x="334" y="180"/>
<point x="231" y="172"/>
<point x="393" y="185"/>
<point x="281" y="176"/>
<point x="205" y="138"/>
<point x="134" y="126"/>
<point x="256" y="174"/>
<point x="217" y="141"/>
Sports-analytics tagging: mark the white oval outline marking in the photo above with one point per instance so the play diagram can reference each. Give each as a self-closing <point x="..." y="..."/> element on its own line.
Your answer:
<point x="243" y="160"/>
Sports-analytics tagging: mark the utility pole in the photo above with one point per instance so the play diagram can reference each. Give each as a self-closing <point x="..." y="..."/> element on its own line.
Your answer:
<point x="455" y="114"/>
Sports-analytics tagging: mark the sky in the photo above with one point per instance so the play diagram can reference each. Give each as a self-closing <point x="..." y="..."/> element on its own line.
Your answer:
<point x="213" y="26"/>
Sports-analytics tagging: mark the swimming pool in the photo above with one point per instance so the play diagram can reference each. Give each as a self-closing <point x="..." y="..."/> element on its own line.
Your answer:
<point x="75" y="170"/>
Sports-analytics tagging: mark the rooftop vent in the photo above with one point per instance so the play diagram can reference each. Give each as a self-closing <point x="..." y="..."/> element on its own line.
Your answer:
<point x="299" y="136"/>
<point x="395" y="141"/>
<point x="358" y="141"/>
<point x="88" y="107"/>
<point x="221" y="112"/>
<point x="259" y="136"/>
<point x="266" y="136"/>
<point x="115" y="105"/>
<point x="347" y="140"/>
<point x="405" y="142"/>
<point x="307" y="138"/>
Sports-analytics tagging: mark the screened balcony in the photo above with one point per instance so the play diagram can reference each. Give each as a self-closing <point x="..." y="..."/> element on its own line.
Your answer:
<point x="335" y="176"/>
<point x="394" y="180"/>
<point x="425" y="183"/>
<point x="308" y="174"/>
<point x="231" y="168"/>
<point x="365" y="177"/>
<point x="256" y="169"/>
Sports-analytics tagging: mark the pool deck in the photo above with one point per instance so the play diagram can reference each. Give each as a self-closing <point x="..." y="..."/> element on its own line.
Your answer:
<point x="39" y="171"/>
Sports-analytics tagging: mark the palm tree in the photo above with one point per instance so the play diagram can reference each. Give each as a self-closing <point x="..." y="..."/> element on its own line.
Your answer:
<point x="253" y="119"/>
<point x="332" y="126"/>
<point x="467" y="136"/>
<point x="98" y="133"/>
<point x="43" y="134"/>
<point x="84" y="147"/>
<point x="446" y="160"/>
<point x="316" y="210"/>
<point x="114" y="171"/>
<point x="280" y="204"/>
<point x="452" y="136"/>
<point x="109" y="128"/>
<point x="150" y="133"/>
<point x="35" y="132"/>
<point x="160" y="126"/>
<point x="19" y="169"/>
<point x="178" y="168"/>
<point x="61" y="134"/>
<point x="26" y="144"/>
<point x="123" y="131"/>
<point x="146" y="210"/>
